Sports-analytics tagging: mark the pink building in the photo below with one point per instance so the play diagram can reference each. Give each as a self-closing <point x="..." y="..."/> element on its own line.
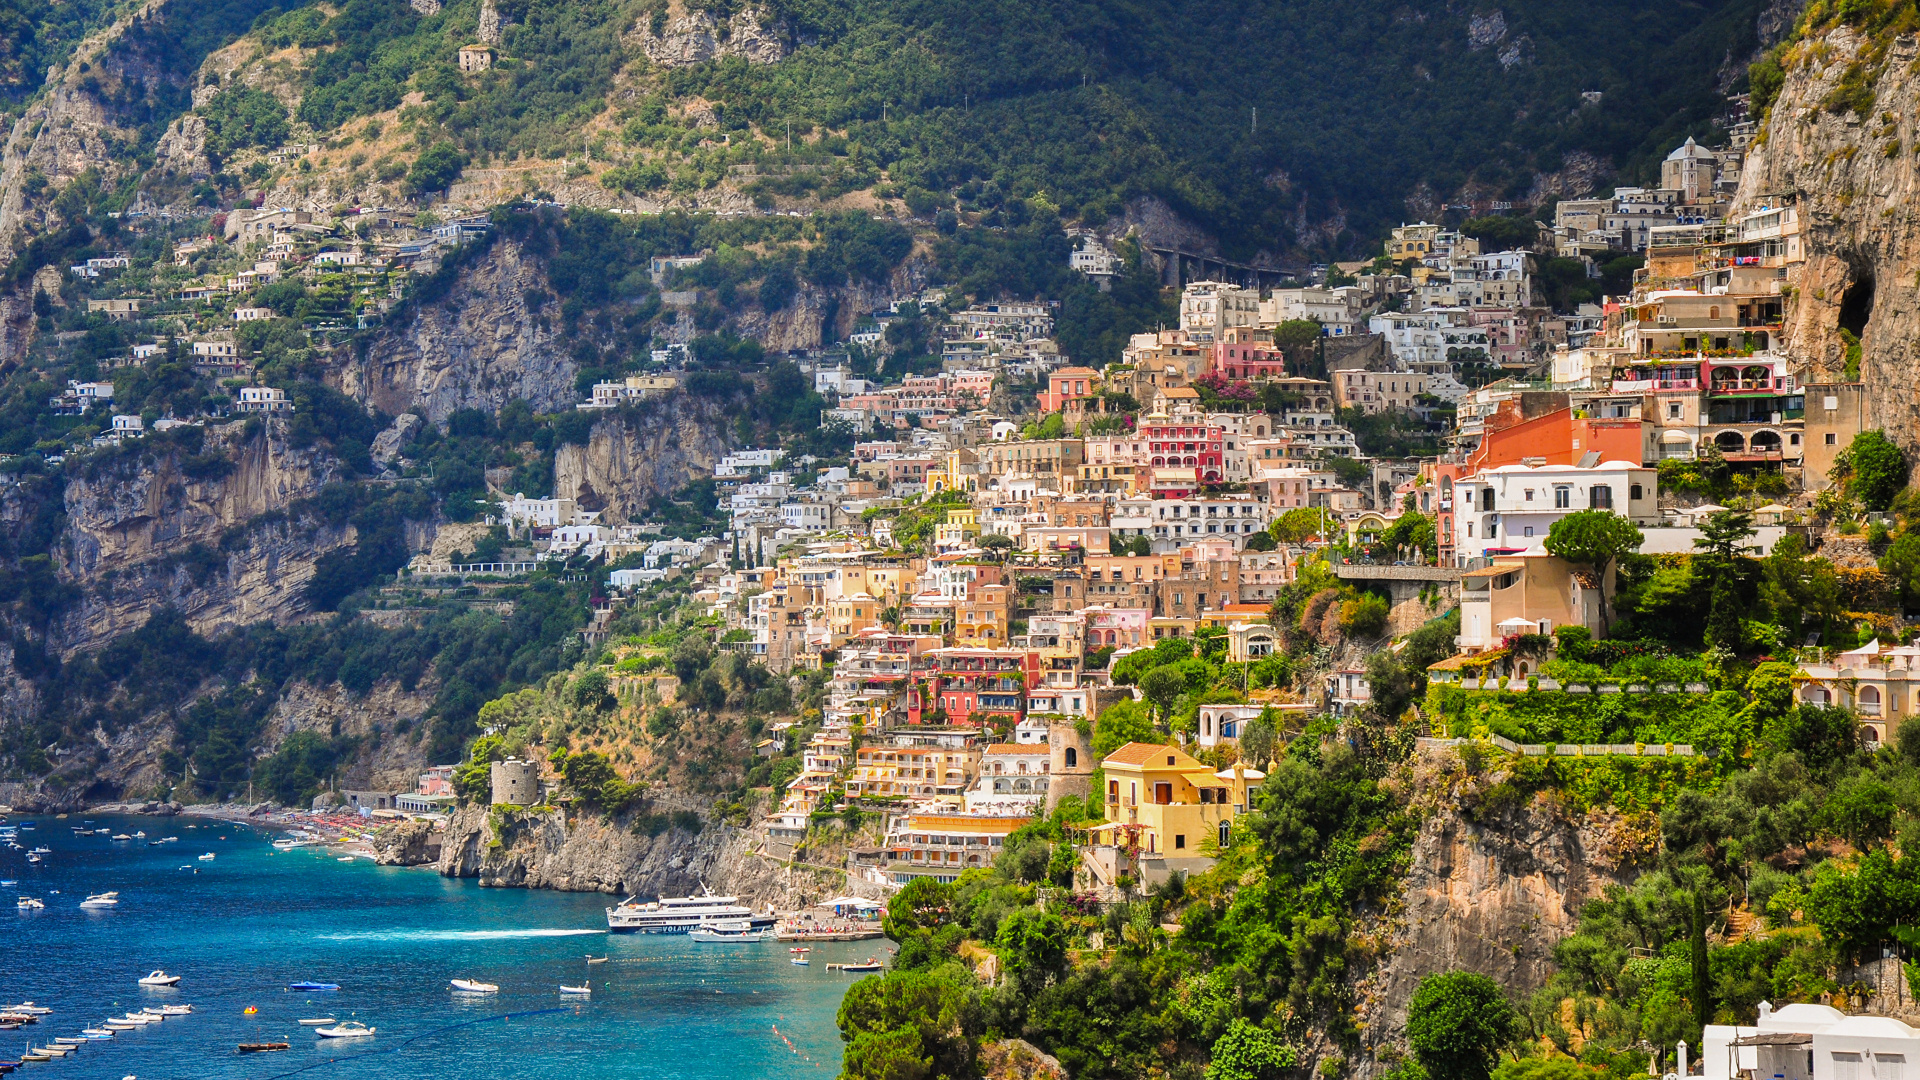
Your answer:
<point x="1119" y="627"/>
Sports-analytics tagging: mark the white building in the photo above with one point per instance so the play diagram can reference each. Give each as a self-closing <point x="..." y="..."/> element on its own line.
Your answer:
<point x="538" y="513"/>
<point x="741" y="462"/>
<point x="1511" y="509"/>
<point x="1810" y="1042"/>
<point x="1013" y="779"/>
<point x="1179" y="522"/>
<point x="266" y="399"/>
<point x="1208" y="308"/>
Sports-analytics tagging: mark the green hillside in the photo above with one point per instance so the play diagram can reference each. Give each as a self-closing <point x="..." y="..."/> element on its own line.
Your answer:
<point x="1242" y="117"/>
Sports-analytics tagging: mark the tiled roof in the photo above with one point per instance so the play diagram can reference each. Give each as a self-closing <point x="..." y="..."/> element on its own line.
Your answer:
<point x="1137" y="753"/>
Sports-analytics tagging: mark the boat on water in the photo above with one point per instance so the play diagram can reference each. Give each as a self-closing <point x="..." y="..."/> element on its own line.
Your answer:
<point x="345" y="858"/>
<point x="352" y="1029"/>
<point x="160" y="978"/>
<point x="264" y="1047"/>
<point x="579" y="991"/>
<point x="28" y="903"/>
<point x="32" y="858"/>
<point x="101" y="900"/>
<point x="798" y="961"/>
<point x="313" y="986"/>
<point x="318" y="1021"/>
<point x="70" y="1040"/>
<point x="96" y="1033"/>
<point x="721" y="931"/>
<point x="591" y="959"/>
<point x="121" y="836"/>
<point x="208" y="857"/>
<point x="681" y="914"/>
<point x="140" y="834"/>
<point x="119" y="1025"/>
<point x="174" y="1010"/>
<point x="870" y="965"/>
<point x="472" y="986"/>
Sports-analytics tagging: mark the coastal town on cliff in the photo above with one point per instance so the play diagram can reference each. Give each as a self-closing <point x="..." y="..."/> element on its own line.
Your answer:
<point x="1097" y="572"/>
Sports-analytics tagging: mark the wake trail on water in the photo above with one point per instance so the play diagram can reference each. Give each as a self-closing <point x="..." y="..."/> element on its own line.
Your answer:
<point x="428" y="1034"/>
<point x="453" y="935"/>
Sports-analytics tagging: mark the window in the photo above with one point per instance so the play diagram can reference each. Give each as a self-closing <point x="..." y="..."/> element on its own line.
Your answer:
<point x="1673" y="410"/>
<point x="1226" y="840"/>
<point x="1635" y="492"/>
<point x="1073" y="757"/>
<point x="1529" y="530"/>
<point x="1562" y="498"/>
<point x="1600" y="497"/>
<point x="1889" y="1066"/>
<point x="1179" y="841"/>
<point x="1529" y="494"/>
<point x="1846" y="1066"/>
<point x="1831" y="440"/>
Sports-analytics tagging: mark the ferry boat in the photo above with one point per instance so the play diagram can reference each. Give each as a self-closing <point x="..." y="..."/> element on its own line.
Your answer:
<point x="681" y="914"/>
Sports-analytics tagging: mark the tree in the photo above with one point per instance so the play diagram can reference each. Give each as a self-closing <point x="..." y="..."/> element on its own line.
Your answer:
<point x="1457" y="1023"/>
<point x="1296" y="333"/>
<point x="1034" y="947"/>
<point x="1298" y="524"/>
<point x="907" y="1025"/>
<point x="1872" y="468"/>
<point x="1414" y="532"/>
<point x="1246" y="1052"/>
<point x="1592" y="540"/>
<point x="1119" y="725"/>
<point x="1721" y="536"/>
<point x="436" y="167"/>
<point x="1163" y="686"/>
<point x="1258" y="737"/>
<point x="997" y="544"/>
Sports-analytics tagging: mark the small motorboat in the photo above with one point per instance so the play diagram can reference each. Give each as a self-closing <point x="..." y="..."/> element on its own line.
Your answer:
<point x="264" y="1047"/>
<point x="352" y="1029"/>
<point x="8" y="883"/>
<point x="319" y="1021"/>
<point x="137" y="1019"/>
<point x="119" y="1025"/>
<point x="140" y="835"/>
<point x="70" y="1040"/>
<point x="577" y="990"/>
<point x="798" y="961"/>
<point x="174" y="1010"/>
<point x="101" y="900"/>
<point x="596" y="959"/>
<point x="208" y="857"/>
<point x="160" y="978"/>
<point x="313" y="986"/>
<point x="96" y="1033"/>
<point x="42" y="851"/>
<point x="471" y="986"/>
<point x="27" y="1008"/>
<point x="32" y="858"/>
<point x="870" y="965"/>
<point x="28" y="903"/>
<point x="121" y="836"/>
<point x="344" y="858"/>
<point x="56" y="1050"/>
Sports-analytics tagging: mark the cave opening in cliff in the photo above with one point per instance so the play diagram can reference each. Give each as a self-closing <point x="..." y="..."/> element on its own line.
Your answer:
<point x="1856" y="306"/>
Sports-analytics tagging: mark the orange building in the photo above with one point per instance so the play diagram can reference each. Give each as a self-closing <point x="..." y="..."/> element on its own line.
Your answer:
<point x="1069" y="386"/>
<point x="1557" y="438"/>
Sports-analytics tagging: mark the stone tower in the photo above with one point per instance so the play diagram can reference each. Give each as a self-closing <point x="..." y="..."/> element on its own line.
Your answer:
<point x="1070" y="767"/>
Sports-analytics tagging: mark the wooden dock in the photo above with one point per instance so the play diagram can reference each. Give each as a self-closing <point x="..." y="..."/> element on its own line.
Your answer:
<point x="828" y="935"/>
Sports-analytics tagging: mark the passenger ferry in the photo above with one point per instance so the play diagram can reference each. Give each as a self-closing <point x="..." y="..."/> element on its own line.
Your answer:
<point x="678" y="915"/>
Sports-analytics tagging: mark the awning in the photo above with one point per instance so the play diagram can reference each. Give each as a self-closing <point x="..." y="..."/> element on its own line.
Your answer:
<point x="1518" y="624"/>
<point x="1675" y="437"/>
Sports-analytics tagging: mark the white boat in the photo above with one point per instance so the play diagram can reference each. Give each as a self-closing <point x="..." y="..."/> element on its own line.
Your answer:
<point x="680" y="914"/>
<point x="471" y="986"/>
<point x="70" y="1040"/>
<point x="345" y="858"/>
<point x="96" y="1033"/>
<point x="140" y="835"/>
<point x="322" y="1021"/>
<point x="137" y="1019"/>
<point x="119" y="1025"/>
<point x="160" y="978"/>
<point x="580" y="990"/>
<point x="798" y="961"/>
<point x="27" y="1008"/>
<point x="352" y="1029"/>
<point x="726" y="930"/>
<point x="121" y="836"/>
<point x="174" y="1010"/>
<point x="42" y="851"/>
<point x="28" y="903"/>
<point x="32" y="858"/>
<point x="208" y="857"/>
<point x="101" y="900"/>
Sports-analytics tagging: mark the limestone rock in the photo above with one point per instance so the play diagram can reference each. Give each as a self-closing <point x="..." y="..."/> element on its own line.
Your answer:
<point x="693" y="37"/>
<point x="387" y="444"/>
<point x="633" y="456"/>
<point x="183" y="149"/>
<point x="1018" y="1059"/>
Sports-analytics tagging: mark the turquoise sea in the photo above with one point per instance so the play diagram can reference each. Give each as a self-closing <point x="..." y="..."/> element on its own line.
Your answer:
<point x="242" y="926"/>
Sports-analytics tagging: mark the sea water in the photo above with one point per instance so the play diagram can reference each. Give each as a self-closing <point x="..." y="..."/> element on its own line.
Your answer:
<point x="239" y="927"/>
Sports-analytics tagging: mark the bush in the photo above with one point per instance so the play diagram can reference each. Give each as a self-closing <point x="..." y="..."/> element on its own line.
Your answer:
<point x="436" y="168"/>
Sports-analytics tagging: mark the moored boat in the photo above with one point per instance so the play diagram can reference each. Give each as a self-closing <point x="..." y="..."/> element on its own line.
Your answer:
<point x="263" y="1047"/>
<point x="351" y="1029"/>
<point x="160" y="978"/>
<point x="576" y="990"/>
<point x="321" y="1021"/>
<point x="101" y="900"/>
<point x="314" y="986"/>
<point x="473" y="986"/>
<point x="680" y="914"/>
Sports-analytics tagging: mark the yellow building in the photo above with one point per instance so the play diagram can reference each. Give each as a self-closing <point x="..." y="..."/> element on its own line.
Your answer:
<point x="981" y="619"/>
<point x="849" y="615"/>
<point x="1164" y="804"/>
<point x="961" y="529"/>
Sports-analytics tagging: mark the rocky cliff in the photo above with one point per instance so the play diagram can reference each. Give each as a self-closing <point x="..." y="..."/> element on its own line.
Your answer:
<point x="637" y="454"/>
<point x="1486" y="891"/>
<point x="1842" y="135"/>
<point x="476" y="347"/>
<point x="206" y="533"/>
<point x="581" y="852"/>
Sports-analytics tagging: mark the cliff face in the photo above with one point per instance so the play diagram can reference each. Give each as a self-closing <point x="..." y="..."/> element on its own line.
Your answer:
<point x="1857" y="182"/>
<point x="479" y="346"/>
<point x="578" y="852"/>
<point x="635" y="455"/>
<point x="1491" y="896"/>
<point x="149" y="531"/>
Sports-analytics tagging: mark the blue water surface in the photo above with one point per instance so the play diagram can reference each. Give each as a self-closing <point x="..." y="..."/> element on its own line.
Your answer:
<point x="240" y="927"/>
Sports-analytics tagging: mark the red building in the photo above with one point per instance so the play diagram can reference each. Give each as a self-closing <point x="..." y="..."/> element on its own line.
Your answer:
<point x="1069" y="386"/>
<point x="1183" y="441"/>
<point x="1248" y="360"/>
<point x="978" y="686"/>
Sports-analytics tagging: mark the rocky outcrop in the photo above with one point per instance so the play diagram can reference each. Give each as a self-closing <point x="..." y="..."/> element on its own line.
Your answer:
<point x="1850" y="159"/>
<point x="477" y="347"/>
<point x="386" y="720"/>
<point x="581" y="852"/>
<point x="694" y="37"/>
<point x="204" y="533"/>
<point x="407" y="843"/>
<point x="1492" y="895"/>
<point x="637" y="454"/>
